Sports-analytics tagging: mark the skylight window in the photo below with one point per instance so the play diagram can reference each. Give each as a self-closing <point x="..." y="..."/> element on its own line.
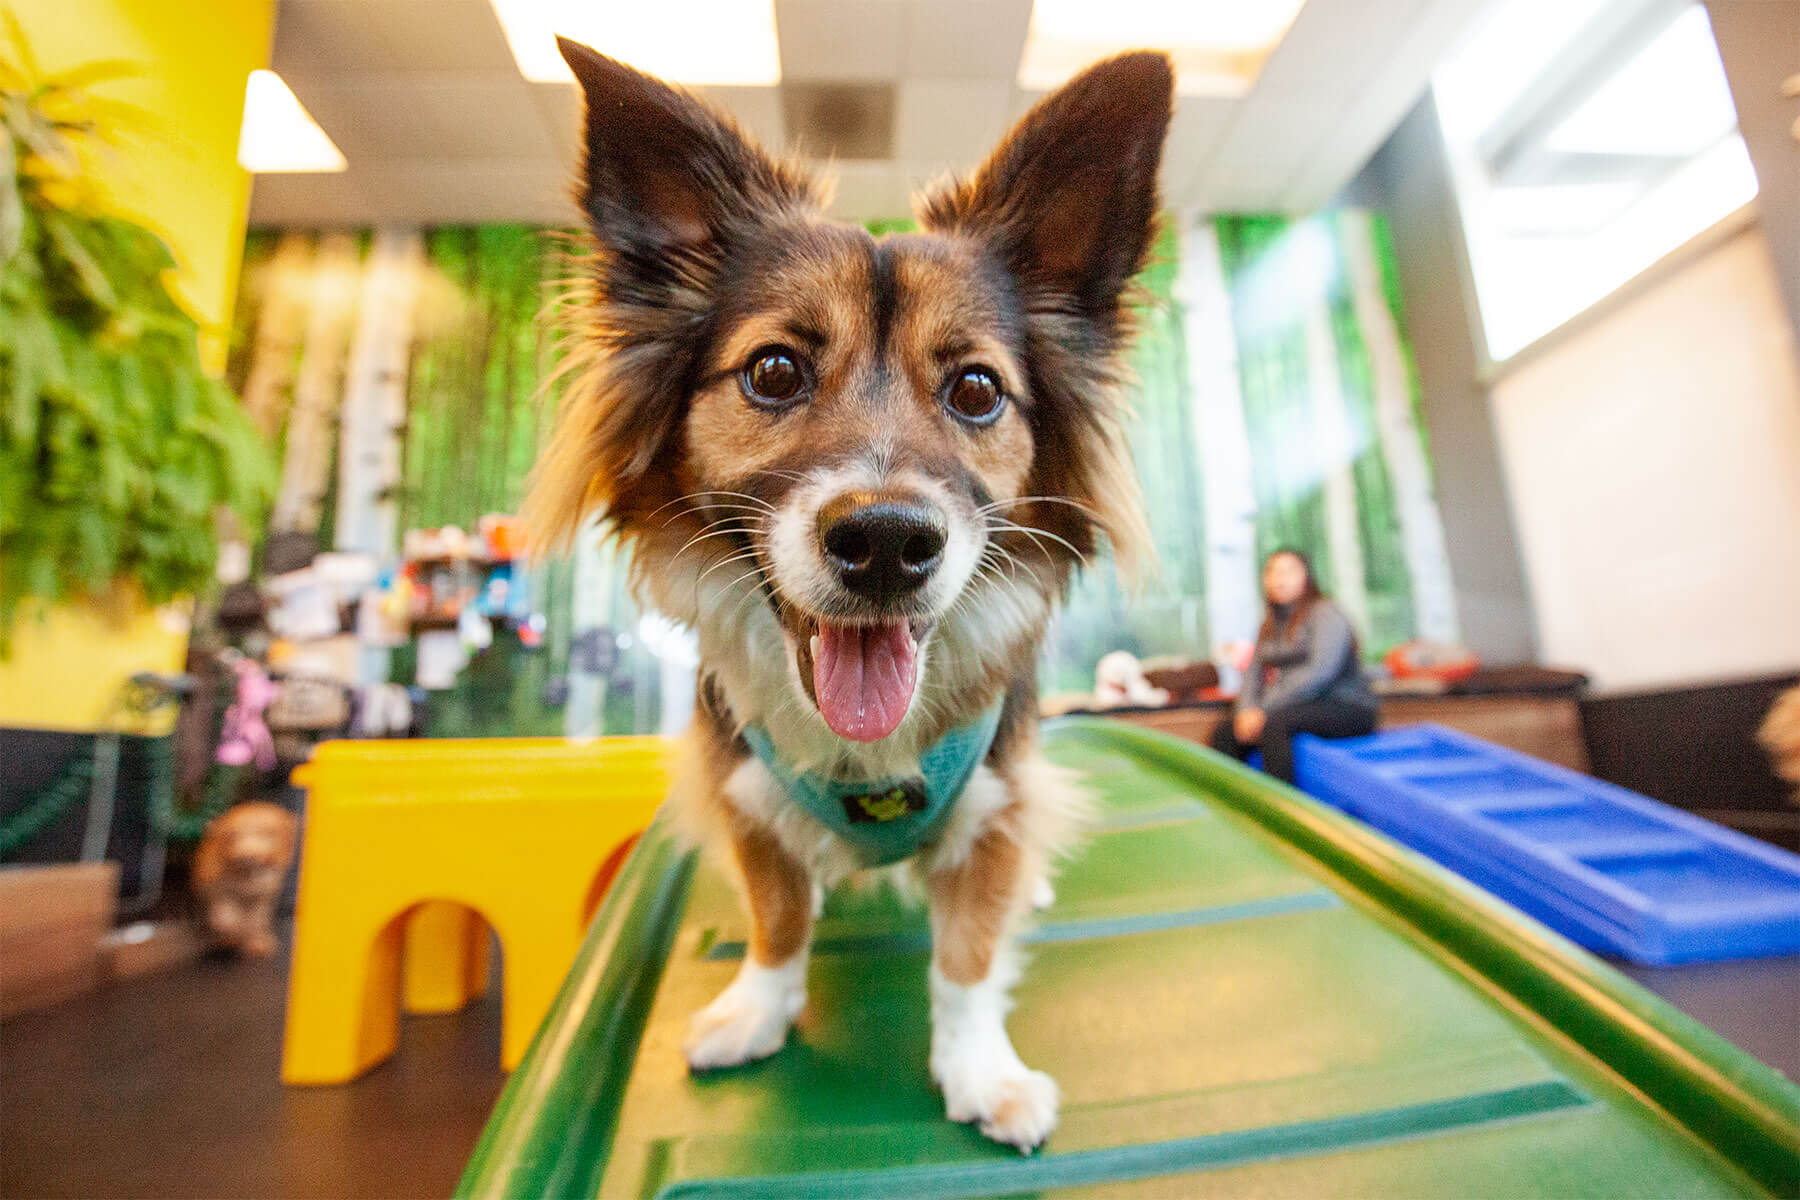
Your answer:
<point x="1587" y="139"/>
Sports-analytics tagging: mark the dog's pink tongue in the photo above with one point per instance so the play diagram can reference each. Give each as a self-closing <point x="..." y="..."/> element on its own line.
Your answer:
<point x="863" y="677"/>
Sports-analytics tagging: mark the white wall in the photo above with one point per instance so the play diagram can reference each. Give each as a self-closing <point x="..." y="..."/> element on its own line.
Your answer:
<point x="1653" y="465"/>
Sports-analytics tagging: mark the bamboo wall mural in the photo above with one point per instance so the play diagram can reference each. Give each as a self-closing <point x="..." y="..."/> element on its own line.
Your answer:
<point x="1216" y="400"/>
<point x="1275" y="404"/>
<point x="374" y="410"/>
<point x="1276" y="407"/>
<point x="312" y="414"/>
<point x="474" y="420"/>
<point x="1375" y="301"/>
<point x="454" y="324"/>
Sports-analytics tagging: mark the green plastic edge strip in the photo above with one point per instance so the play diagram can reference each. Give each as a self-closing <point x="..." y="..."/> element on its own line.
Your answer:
<point x="574" y="1073"/>
<point x="1146" y="1160"/>
<point x="1746" y="1111"/>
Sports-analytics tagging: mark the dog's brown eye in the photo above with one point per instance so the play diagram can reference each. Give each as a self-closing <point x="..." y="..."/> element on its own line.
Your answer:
<point x="774" y="376"/>
<point x="975" y="396"/>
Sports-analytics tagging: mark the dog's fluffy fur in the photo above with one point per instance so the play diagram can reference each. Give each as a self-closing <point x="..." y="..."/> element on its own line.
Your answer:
<point x="705" y="252"/>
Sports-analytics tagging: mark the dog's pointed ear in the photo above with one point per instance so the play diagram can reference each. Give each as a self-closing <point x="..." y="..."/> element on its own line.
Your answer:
<point x="662" y="171"/>
<point x="1069" y="198"/>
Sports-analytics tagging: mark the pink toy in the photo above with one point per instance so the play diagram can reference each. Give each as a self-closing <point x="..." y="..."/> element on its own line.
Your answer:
<point x="245" y="736"/>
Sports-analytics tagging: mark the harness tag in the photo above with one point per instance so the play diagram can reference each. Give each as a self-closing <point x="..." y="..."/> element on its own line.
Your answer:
<point x="903" y="799"/>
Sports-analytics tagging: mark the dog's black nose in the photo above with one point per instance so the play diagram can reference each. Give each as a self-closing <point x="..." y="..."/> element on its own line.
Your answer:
<point x="881" y="549"/>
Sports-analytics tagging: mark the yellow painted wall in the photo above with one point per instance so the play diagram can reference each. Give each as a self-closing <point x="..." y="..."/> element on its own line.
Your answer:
<point x="68" y="666"/>
<point x="179" y="174"/>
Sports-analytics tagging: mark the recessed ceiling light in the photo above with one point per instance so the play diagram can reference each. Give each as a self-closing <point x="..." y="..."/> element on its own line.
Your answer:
<point x="723" y="42"/>
<point x="1218" y="46"/>
<point x="278" y="134"/>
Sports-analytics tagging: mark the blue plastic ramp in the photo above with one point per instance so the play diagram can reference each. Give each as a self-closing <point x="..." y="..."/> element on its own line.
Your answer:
<point x="1613" y="870"/>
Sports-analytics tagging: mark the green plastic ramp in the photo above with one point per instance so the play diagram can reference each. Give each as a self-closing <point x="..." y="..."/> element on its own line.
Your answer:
<point x="1240" y="992"/>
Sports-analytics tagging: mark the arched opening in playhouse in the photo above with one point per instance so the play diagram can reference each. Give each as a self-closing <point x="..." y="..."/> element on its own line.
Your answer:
<point x="450" y="955"/>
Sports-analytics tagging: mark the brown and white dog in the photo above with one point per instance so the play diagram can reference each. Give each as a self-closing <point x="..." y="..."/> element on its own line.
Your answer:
<point x="238" y="872"/>
<point x="863" y="469"/>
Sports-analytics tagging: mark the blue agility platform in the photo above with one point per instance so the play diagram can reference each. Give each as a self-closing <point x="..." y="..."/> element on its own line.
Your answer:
<point x="1606" y="867"/>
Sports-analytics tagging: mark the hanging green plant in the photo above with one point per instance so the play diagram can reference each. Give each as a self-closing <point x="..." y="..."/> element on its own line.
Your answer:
<point x="117" y="448"/>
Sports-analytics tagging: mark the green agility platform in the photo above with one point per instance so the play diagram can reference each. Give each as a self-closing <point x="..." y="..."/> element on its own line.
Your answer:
<point x="1241" y="993"/>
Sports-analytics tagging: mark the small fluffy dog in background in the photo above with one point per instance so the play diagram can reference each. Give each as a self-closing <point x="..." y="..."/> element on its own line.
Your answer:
<point x="863" y="470"/>
<point x="1780" y="736"/>
<point x="238" y="871"/>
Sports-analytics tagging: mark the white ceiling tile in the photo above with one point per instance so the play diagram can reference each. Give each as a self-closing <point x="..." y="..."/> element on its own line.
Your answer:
<point x="308" y="199"/>
<point x="965" y="39"/>
<point x="1368" y="116"/>
<point x="1232" y="191"/>
<point x="437" y="192"/>
<point x="1195" y="130"/>
<point x="840" y="39"/>
<point x="326" y="35"/>
<point x="1022" y="101"/>
<point x="867" y="190"/>
<point x="344" y="116"/>
<point x="757" y="109"/>
<point x="1266" y="132"/>
<point x="389" y="35"/>
<point x="489" y="120"/>
<point x="1334" y="45"/>
<point x="442" y="35"/>
<point x="427" y="115"/>
<point x="949" y="122"/>
<point x="561" y="106"/>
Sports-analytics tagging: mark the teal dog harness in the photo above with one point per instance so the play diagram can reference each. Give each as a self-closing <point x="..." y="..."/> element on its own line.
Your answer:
<point x="886" y="820"/>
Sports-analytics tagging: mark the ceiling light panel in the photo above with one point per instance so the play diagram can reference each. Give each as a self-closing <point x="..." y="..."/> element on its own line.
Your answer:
<point x="729" y="43"/>
<point x="278" y="134"/>
<point x="1218" y="46"/>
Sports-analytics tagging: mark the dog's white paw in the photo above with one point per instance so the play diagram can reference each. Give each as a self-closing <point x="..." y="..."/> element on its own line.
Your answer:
<point x="749" y="1019"/>
<point x="1043" y="895"/>
<point x="974" y="1062"/>
<point x="1007" y="1101"/>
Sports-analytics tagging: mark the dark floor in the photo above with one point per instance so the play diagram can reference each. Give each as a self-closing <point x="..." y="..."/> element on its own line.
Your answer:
<point x="169" y="1086"/>
<point x="1755" y="1003"/>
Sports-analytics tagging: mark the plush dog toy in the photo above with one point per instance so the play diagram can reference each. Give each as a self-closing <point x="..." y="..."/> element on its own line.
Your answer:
<point x="238" y="870"/>
<point x="1119" y="681"/>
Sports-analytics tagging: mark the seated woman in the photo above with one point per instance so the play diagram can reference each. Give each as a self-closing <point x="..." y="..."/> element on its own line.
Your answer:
<point x="1304" y="677"/>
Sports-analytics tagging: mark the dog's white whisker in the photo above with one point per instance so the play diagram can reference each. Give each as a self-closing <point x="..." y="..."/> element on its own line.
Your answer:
<point x="997" y="505"/>
<point x="1033" y="532"/>
<point x="701" y="537"/>
<point x="746" y="556"/>
<point x="764" y="505"/>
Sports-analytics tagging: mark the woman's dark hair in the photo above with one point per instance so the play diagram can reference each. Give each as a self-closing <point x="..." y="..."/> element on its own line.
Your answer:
<point x="1297" y="612"/>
